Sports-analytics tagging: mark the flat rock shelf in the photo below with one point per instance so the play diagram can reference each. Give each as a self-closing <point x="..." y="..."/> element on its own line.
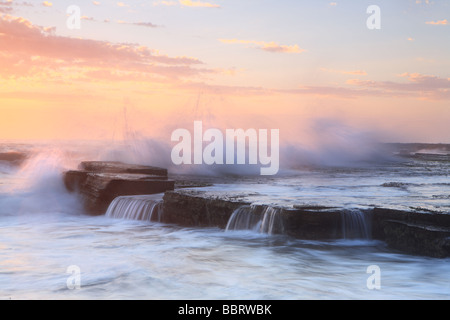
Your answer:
<point x="408" y="231"/>
<point x="413" y="232"/>
<point x="99" y="183"/>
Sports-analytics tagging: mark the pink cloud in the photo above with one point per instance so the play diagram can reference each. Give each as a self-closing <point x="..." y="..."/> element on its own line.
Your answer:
<point x="20" y="40"/>
<point x="5" y="7"/>
<point x="424" y="86"/>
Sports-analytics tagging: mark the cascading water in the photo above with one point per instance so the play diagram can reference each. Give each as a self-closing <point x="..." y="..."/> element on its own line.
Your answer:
<point x="243" y="218"/>
<point x="271" y="222"/>
<point x="355" y="224"/>
<point x="145" y="207"/>
<point x="256" y="218"/>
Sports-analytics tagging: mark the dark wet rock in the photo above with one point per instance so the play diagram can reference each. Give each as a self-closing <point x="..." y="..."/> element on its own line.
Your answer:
<point x="180" y="184"/>
<point x="415" y="232"/>
<point x="312" y="223"/>
<point x="99" y="183"/>
<point x="197" y="209"/>
<point x="413" y="217"/>
<point x="394" y="185"/>
<point x="14" y="158"/>
<point x="120" y="167"/>
<point x="312" y="207"/>
<point x="419" y="239"/>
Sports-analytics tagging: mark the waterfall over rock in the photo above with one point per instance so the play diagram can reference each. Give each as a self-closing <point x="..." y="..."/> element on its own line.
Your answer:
<point x="355" y="224"/>
<point x="257" y="218"/>
<point x="143" y="207"/>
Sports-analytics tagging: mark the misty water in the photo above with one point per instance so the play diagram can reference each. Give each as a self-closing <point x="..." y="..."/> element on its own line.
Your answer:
<point x="44" y="231"/>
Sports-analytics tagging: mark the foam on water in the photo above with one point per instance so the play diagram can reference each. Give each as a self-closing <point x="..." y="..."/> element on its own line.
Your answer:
<point x="123" y="259"/>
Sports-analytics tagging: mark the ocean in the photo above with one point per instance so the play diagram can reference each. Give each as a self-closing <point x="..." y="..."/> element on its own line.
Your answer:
<point x="51" y="249"/>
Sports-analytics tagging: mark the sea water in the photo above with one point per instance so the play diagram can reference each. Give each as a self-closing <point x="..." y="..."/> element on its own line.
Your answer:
<point x="44" y="234"/>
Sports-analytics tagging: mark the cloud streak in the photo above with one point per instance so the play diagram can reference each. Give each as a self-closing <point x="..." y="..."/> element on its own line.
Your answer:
<point x="420" y="85"/>
<point x="438" y="23"/>
<point x="5" y="6"/>
<point x="190" y="3"/>
<point x="187" y="3"/>
<point x="352" y="72"/>
<point x="140" y="24"/>
<point x="266" y="46"/>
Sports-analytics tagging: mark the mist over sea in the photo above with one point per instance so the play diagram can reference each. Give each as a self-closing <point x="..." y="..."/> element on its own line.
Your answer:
<point x="44" y="229"/>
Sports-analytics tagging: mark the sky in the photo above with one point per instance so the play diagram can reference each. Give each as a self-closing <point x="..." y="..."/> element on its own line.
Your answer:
<point x="149" y="67"/>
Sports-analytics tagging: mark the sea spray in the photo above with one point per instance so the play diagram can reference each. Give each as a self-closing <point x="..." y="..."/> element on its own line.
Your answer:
<point x="37" y="187"/>
<point x="356" y="224"/>
<point x="256" y="218"/>
<point x="222" y="148"/>
<point x="325" y="143"/>
<point x="143" y="207"/>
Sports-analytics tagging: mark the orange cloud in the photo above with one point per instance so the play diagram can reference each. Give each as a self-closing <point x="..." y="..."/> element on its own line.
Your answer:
<point x="190" y="3"/>
<point x="47" y="4"/>
<point x="266" y="46"/>
<point x="438" y="23"/>
<point x="87" y="18"/>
